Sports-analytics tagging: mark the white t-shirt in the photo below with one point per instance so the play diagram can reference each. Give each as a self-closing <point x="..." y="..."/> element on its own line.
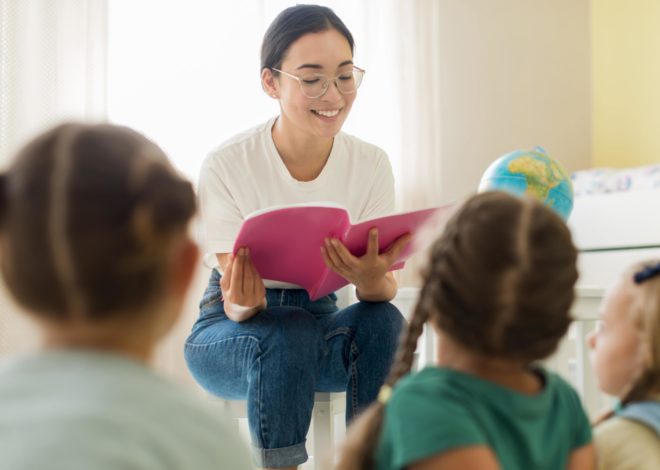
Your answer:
<point x="69" y="410"/>
<point x="246" y="174"/>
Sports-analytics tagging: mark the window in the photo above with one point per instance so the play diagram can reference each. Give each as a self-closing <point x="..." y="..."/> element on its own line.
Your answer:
<point x="187" y="73"/>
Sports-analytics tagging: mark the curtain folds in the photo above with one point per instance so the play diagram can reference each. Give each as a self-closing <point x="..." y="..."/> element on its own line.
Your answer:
<point x="52" y="68"/>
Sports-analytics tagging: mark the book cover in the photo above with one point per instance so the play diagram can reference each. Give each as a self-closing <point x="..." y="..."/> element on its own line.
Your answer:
<point x="285" y="242"/>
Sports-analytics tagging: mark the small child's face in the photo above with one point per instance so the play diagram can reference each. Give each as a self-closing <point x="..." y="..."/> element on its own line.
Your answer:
<point x="616" y="343"/>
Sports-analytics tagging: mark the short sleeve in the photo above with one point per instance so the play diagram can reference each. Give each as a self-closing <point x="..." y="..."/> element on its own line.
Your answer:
<point x="380" y="201"/>
<point x="418" y="426"/>
<point x="221" y="217"/>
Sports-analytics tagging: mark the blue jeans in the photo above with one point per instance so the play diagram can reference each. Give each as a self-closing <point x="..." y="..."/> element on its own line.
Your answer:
<point x="277" y="359"/>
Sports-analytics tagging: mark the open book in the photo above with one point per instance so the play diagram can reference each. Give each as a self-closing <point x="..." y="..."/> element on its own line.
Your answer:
<point x="285" y="241"/>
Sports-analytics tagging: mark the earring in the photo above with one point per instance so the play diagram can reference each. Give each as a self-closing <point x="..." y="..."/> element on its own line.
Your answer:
<point x="274" y="95"/>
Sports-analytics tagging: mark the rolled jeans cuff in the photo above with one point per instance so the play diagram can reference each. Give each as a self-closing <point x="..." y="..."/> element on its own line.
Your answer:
<point x="281" y="457"/>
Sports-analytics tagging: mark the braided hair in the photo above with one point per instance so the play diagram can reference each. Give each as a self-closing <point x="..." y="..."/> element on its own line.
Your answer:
<point x="87" y="215"/>
<point x="499" y="281"/>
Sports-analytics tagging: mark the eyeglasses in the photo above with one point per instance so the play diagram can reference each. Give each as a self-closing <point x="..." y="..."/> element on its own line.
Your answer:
<point x="316" y="85"/>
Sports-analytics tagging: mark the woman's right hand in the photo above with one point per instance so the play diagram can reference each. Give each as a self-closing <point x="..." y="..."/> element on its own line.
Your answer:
<point x="243" y="290"/>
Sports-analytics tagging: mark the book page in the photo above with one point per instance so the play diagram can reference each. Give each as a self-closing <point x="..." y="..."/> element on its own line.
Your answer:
<point x="287" y="206"/>
<point x="285" y="244"/>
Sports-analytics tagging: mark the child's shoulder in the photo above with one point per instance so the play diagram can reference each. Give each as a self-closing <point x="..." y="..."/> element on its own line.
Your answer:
<point x="431" y="390"/>
<point x="419" y="402"/>
<point x="561" y="392"/>
<point x="624" y="443"/>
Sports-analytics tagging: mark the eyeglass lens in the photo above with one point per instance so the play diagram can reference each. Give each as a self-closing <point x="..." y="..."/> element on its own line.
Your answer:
<point x="315" y="85"/>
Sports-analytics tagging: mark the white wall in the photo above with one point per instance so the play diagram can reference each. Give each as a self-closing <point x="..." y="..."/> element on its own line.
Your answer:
<point x="516" y="74"/>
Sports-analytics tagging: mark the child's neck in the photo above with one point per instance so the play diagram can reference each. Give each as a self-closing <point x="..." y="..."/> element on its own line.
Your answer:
<point x="103" y="338"/>
<point x="514" y="375"/>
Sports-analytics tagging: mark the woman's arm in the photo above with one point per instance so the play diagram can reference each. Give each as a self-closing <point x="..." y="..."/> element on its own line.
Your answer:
<point x="243" y="289"/>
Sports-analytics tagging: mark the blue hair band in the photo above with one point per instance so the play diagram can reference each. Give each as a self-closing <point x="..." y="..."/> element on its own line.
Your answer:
<point x="647" y="273"/>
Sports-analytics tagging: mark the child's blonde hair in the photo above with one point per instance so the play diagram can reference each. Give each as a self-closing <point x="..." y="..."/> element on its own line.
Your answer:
<point x="644" y="278"/>
<point x="499" y="281"/>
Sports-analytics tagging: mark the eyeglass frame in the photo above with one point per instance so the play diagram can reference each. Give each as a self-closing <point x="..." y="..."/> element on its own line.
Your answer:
<point x="327" y="81"/>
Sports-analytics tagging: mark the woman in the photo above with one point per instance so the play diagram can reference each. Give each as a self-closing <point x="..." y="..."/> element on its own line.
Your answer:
<point x="263" y="341"/>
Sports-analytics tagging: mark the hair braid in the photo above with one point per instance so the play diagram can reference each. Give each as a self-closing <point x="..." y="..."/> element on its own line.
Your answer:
<point x="59" y="226"/>
<point x="501" y="261"/>
<point x="112" y="208"/>
<point x="364" y="433"/>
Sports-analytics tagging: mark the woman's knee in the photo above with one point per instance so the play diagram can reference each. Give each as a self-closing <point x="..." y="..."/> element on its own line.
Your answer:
<point x="292" y="329"/>
<point x="382" y="318"/>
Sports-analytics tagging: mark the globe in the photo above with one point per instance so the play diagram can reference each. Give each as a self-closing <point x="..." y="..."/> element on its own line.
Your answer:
<point x="534" y="173"/>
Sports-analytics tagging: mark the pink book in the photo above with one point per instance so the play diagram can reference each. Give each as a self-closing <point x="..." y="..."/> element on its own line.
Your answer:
<point x="285" y="241"/>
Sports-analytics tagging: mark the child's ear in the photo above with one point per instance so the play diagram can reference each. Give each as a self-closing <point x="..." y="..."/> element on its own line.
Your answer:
<point x="184" y="266"/>
<point x="269" y="83"/>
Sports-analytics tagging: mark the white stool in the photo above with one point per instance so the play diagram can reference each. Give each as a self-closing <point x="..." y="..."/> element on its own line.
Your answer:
<point x="327" y="424"/>
<point x="328" y="417"/>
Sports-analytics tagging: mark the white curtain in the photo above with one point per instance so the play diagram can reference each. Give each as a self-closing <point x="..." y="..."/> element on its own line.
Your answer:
<point x="187" y="75"/>
<point x="200" y="84"/>
<point x="52" y="68"/>
<point x="416" y="55"/>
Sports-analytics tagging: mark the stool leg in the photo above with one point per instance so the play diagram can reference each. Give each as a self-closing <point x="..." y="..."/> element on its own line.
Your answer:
<point x="323" y="428"/>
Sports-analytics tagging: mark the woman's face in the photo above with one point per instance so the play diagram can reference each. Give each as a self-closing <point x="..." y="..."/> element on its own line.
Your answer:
<point x="616" y="345"/>
<point x="326" y="53"/>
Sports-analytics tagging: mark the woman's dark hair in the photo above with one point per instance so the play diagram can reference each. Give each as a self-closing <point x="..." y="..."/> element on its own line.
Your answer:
<point x="499" y="281"/>
<point x="291" y="24"/>
<point x="88" y="214"/>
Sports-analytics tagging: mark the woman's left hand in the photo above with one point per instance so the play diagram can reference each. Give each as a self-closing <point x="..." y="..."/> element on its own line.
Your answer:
<point x="368" y="272"/>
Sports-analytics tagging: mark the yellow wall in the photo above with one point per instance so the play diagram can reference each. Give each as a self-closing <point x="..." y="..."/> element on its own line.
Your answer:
<point x="625" y="38"/>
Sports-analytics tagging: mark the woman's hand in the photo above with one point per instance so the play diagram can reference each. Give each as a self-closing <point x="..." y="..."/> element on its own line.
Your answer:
<point x="243" y="289"/>
<point x="370" y="273"/>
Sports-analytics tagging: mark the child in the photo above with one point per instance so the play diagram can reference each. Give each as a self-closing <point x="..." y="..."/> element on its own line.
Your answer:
<point x="94" y="245"/>
<point x="497" y="291"/>
<point x="627" y="364"/>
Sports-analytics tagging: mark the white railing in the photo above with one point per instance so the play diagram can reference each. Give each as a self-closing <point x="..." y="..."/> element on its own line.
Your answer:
<point x="571" y="360"/>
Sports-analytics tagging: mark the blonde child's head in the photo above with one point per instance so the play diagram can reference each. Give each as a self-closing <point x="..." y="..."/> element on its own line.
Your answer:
<point x="93" y="231"/>
<point x="626" y="345"/>
<point x="499" y="283"/>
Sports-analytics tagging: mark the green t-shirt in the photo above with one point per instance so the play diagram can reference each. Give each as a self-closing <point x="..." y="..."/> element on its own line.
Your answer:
<point x="439" y="409"/>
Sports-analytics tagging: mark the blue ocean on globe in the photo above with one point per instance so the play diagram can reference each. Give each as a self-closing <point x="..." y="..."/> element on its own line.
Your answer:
<point x="534" y="173"/>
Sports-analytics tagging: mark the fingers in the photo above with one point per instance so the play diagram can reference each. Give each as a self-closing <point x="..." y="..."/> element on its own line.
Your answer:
<point x="339" y="256"/>
<point x="238" y="274"/>
<point x="247" y="288"/>
<point x="254" y="285"/>
<point x="372" y="243"/>
<point x="397" y="247"/>
<point x="225" y="281"/>
<point x="259" y="288"/>
<point x="248" y="274"/>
